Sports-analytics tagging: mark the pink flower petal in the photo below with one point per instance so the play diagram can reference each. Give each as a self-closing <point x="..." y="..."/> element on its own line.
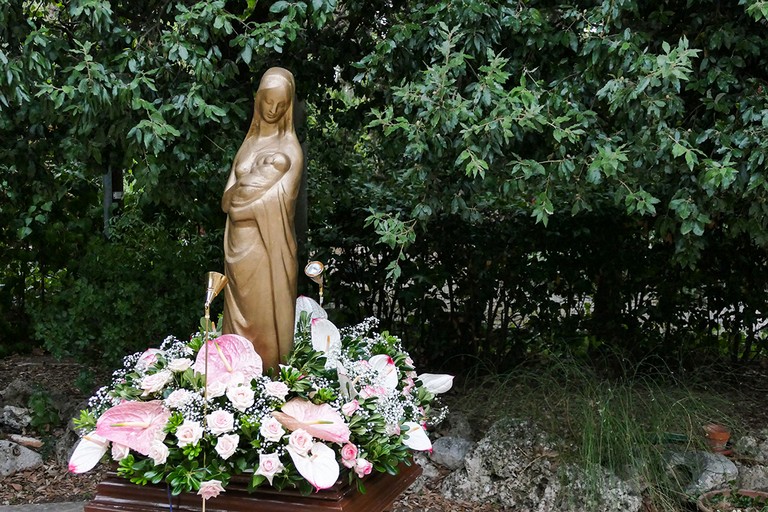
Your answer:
<point x="228" y="355"/>
<point x="88" y="453"/>
<point x="134" y="424"/>
<point x="320" y="421"/>
<point x="319" y="467"/>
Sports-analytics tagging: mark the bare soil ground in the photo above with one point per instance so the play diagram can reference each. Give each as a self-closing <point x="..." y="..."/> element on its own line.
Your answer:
<point x="746" y="388"/>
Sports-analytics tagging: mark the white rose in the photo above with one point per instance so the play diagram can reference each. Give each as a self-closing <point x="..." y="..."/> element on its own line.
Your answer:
<point x="269" y="466"/>
<point x="178" y="398"/>
<point x="179" y="364"/>
<point x="242" y="397"/>
<point x="120" y="451"/>
<point x="276" y="389"/>
<point x="227" y="445"/>
<point x="216" y="389"/>
<point x="158" y="452"/>
<point x="300" y="441"/>
<point x="155" y="382"/>
<point x="189" y="432"/>
<point x="220" y="422"/>
<point x="271" y="429"/>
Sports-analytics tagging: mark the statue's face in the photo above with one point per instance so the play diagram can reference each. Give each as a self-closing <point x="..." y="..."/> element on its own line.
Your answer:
<point x="273" y="103"/>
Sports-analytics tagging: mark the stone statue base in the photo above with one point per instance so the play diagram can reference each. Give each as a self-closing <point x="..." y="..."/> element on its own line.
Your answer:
<point x="117" y="494"/>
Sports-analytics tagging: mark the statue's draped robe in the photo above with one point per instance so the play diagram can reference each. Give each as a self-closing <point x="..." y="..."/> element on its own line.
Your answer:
<point x="261" y="262"/>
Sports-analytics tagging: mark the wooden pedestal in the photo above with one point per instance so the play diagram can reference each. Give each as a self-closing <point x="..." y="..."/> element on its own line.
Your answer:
<point x="117" y="494"/>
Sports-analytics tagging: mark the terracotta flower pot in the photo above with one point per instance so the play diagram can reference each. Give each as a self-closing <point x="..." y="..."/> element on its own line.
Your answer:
<point x="709" y="502"/>
<point x="717" y="436"/>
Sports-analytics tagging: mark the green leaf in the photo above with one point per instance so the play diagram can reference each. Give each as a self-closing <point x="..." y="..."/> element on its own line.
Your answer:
<point x="278" y="7"/>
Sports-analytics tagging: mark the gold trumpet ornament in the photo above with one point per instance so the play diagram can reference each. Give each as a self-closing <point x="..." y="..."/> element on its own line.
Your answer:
<point x="216" y="283"/>
<point x="314" y="270"/>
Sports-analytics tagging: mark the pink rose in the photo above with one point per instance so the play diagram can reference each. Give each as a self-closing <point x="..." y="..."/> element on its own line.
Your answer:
<point x="242" y="397"/>
<point x="349" y="455"/>
<point x="155" y="382"/>
<point x="227" y="445"/>
<point x="158" y="452"/>
<point x="409" y="385"/>
<point x="276" y="389"/>
<point x="363" y="467"/>
<point x="189" y="432"/>
<point x="349" y="408"/>
<point x="220" y="422"/>
<point x="269" y="466"/>
<point x="148" y="358"/>
<point x="210" y="489"/>
<point x="271" y="429"/>
<point x="120" y="451"/>
<point x="300" y="441"/>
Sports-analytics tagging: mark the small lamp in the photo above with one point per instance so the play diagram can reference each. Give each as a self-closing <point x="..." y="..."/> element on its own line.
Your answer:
<point x="314" y="270"/>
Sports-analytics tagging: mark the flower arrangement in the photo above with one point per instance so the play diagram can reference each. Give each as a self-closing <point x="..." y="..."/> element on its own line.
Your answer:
<point x="193" y="414"/>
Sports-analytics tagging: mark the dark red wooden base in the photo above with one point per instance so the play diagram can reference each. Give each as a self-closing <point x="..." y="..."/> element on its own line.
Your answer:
<point x="382" y="490"/>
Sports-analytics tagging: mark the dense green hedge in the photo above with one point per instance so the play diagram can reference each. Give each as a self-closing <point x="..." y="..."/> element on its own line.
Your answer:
<point x="495" y="180"/>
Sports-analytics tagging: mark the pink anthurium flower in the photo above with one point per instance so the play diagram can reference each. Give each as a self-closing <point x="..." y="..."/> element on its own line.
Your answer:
<point x="436" y="383"/>
<point x="318" y="467"/>
<point x="229" y="356"/>
<point x="384" y="364"/>
<point x="88" y="453"/>
<point x="320" y="421"/>
<point x="416" y="437"/>
<point x="134" y="424"/>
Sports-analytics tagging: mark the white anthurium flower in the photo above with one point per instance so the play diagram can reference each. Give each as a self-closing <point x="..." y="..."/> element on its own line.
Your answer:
<point x="326" y="339"/>
<point x="387" y="370"/>
<point x="415" y="437"/>
<point x="88" y="453"/>
<point x="318" y="467"/>
<point x="436" y="383"/>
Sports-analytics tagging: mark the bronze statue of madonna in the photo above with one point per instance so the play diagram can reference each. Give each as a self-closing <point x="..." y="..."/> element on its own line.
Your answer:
<point x="259" y="241"/>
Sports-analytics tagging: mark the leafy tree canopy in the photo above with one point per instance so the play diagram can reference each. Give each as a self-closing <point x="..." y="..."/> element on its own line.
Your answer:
<point x="606" y="135"/>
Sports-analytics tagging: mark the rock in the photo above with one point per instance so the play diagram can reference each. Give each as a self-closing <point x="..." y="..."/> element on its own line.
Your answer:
<point x="429" y="472"/>
<point x="449" y="451"/>
<point x="754" y="477"/>
<point x="15" y="418"/>
<point x="65" y="444"/>
<point x="16" y="393"/>
<point x="456" y="424"/>
<point x="15" y="458"/>
<point x="516" y="465"/>
<point x="29" y="442"/>
<point x="755" y="447"/>
<point x="710" y="470"/>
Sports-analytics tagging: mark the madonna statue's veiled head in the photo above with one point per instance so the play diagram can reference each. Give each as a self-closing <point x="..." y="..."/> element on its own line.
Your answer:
<point x="273" y="102"/>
